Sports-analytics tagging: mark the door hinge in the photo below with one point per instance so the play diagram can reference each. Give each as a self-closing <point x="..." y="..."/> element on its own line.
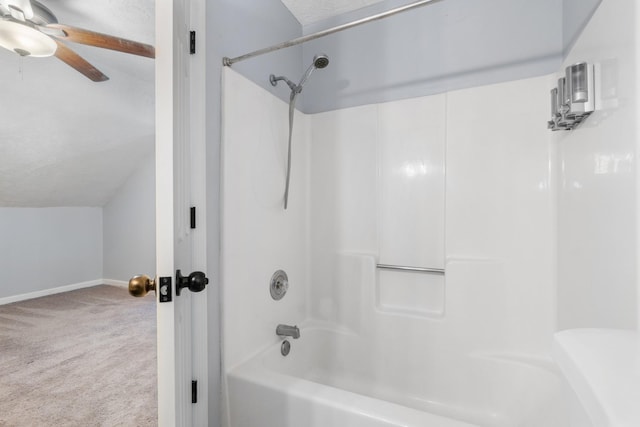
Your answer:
<point x="194" y="391"/>
<point x="192" y="215"/>
<point x="192" y="42"/>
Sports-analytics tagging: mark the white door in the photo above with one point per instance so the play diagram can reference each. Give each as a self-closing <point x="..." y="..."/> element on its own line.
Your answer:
<point x="180" y="185"/>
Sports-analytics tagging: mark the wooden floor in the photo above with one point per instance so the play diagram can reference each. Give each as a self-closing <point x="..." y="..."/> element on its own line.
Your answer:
<point x="80" y="358"/>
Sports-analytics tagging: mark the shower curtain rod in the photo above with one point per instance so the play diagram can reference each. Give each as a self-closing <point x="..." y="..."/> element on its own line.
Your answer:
<point x="293" y="42"/>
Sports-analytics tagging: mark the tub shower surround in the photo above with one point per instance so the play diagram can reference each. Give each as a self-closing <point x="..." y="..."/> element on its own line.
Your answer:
<point x="424" y="182"/>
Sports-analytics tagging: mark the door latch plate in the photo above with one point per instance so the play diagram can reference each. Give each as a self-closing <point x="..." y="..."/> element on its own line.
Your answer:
<point x="165" y="289"/>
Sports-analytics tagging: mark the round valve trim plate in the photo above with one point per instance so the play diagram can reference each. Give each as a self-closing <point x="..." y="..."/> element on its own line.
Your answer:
<point x="278" y="285"/>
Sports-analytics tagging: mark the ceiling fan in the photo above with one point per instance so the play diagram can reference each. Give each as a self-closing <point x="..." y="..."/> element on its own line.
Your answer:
<point x="28" y="28"/>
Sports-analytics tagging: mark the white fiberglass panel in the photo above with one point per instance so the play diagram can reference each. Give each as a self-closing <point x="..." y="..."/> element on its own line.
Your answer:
<point x="410" y="293"/>
<point x="411" y="182"/>
<point x="598" y="189"/>
<point x="343" y="203"/>
<point x="498" y="298"/>
<point x="500" y="208"/>
<point x="258" y="235"/>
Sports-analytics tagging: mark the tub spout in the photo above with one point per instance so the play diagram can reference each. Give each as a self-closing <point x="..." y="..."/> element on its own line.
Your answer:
<point x="288" y="331"/>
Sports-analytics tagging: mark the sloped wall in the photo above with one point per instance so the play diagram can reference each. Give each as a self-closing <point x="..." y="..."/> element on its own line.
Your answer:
<point x="129" y="226"/>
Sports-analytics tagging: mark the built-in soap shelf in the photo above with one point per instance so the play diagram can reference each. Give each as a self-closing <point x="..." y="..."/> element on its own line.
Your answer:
<point x="411" y="291"/>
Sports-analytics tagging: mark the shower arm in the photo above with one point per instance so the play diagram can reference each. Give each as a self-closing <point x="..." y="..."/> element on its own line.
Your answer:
<point x="297" y="88"/>
<point x="274" y="81"/>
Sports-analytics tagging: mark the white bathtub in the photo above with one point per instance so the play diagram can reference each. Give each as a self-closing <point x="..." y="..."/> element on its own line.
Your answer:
<point x="337" y="379"/>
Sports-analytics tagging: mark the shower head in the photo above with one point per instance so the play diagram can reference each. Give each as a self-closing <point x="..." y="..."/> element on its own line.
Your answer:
<point x="319" y="61"/>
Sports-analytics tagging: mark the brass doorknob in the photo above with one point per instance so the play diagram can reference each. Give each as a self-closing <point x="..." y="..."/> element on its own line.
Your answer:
<point x="139" y="286"/>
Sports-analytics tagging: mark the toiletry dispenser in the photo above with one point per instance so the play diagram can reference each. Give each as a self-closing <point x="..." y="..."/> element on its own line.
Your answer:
<point x="574" y="98"/>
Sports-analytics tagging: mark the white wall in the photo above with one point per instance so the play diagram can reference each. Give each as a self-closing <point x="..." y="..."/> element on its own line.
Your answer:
<point x="500" y="219"/>
<point x="597" y="197"/>
<point x="129" y="220"/>
<point x="258" y="235"/>
<point x="375" y="187"/>
<point x="44" y="248"/>
<point x="379" y="188"/>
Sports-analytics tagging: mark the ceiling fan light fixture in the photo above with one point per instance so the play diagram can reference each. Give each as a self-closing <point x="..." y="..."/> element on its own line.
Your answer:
<point x="17" y="14"/>
<point x="25" y="40"/>
<point x="23" y="7"/>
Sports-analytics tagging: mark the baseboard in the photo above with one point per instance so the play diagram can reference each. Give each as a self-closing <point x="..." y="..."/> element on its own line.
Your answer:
<point x="52" y="291"/>
<point x="118" y="283"/>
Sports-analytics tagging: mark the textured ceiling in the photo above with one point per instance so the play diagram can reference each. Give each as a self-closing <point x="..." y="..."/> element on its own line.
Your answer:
<point x="64" y="140"/>
<point x="309" y="11"/>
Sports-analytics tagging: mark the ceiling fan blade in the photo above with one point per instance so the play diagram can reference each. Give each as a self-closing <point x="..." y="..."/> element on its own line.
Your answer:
<point x="105" y="41"/>
<point x="74" y="60"/>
